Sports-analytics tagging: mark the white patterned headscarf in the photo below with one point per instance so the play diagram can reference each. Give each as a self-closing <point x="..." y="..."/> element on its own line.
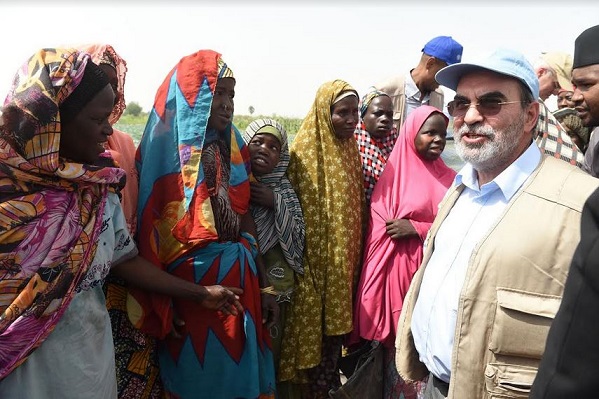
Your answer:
<point x="285" y="223"/>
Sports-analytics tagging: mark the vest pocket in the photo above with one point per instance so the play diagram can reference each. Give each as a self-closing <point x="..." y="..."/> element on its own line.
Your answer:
<point x="509" y="380"/>
<point x="522" y="321"/>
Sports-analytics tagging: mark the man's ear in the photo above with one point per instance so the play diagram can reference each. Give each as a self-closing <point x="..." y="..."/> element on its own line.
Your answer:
<point x="532" y="115"/>
<point x="430" y="62"/>
<point x="541" y="71"/>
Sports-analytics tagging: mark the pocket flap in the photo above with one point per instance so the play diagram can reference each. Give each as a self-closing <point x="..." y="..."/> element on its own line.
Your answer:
<point x="527" y="302"/>
<point x="509" y="380"/>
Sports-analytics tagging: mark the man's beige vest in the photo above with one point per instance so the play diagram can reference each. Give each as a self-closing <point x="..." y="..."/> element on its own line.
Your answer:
<point x="512" y="289"/>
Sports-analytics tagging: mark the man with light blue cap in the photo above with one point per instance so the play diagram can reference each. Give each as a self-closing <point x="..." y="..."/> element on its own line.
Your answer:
<point x="549" y="135"/>
<point x="477" y="313"/>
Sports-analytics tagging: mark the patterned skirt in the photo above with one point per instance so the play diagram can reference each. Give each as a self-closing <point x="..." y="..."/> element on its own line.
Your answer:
<point x="218" y="355"/>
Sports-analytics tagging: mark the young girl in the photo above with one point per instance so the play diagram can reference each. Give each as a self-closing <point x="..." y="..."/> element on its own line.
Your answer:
<point x="403" y="207"/>
<point x="279" y="221"/>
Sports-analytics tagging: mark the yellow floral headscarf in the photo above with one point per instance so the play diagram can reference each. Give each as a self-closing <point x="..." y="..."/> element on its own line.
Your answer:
<point x="326" y="173"/>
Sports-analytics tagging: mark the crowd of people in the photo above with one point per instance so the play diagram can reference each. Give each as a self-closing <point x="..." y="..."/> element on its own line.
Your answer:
<point x="206" y="262"/>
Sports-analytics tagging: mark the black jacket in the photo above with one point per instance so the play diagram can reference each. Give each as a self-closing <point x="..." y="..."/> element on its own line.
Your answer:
<point x="570" y="365"/>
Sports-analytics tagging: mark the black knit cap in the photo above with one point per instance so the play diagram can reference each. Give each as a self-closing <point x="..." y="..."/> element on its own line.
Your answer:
<point x="93" y="80"/>
<point x="586" y="48"/>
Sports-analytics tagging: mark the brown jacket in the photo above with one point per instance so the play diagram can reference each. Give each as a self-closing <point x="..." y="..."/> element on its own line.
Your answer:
<point x="512" y="289"/>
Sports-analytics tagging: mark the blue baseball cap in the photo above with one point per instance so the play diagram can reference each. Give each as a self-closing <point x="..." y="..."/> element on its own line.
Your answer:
<point x="502" y="61"/>
<point x="444" y="48"/>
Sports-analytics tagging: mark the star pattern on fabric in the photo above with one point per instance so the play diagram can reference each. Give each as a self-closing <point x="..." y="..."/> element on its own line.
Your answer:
<point x="326" y="173"/>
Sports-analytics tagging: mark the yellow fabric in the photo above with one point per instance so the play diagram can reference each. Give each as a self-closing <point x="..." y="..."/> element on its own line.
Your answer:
<point x="326" y="174"/>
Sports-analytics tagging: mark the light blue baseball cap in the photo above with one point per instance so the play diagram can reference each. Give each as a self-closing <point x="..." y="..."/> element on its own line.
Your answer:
<point x="502" y="61"/>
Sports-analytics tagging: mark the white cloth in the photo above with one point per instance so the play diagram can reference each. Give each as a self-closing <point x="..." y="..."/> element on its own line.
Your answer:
<point x="413" y="94"/>
<point x="77" y="359"/>
<point x="473" y="215"/>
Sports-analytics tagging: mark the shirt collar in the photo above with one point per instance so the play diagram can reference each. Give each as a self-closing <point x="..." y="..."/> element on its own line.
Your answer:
<point x="411" y="90"/>
<point x="508" y="181"/>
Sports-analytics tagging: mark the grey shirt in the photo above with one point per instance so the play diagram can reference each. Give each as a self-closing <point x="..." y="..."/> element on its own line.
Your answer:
<point x="591" y="157"/>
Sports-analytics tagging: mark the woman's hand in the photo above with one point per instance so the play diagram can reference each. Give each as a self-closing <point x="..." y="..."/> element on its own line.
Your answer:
<point x="215" y="297"/>
<point x="261" y="194"/>
<point x="270" y="310"/>
<point x="400" y="228"/>
<point x="142" y="274"/>
<point x="224" y="299"/>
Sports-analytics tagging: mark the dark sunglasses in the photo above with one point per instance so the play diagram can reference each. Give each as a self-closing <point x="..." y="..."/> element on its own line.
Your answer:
<point x="485" y="106"/>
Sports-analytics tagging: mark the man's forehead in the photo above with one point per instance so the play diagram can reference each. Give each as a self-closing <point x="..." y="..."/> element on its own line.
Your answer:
<point x="482" y="82"/>
<point x="589" y="71"/>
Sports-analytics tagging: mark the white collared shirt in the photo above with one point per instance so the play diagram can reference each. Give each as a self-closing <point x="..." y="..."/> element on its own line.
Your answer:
<point x="474" y="213"/>
<point x="412" y="94"/>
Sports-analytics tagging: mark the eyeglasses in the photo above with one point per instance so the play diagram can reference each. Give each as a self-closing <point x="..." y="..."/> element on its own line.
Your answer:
<point x="485" y="106"/>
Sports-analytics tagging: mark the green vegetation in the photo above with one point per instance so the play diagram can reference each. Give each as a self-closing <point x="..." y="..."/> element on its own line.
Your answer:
<point x="129" y="119"/>
<point x="133" y="108"/>
<point x="134" y="124"/>
<point x="291" y="125"/>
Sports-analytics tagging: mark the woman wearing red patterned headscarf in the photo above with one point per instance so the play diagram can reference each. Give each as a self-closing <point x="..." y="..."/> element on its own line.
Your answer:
<point x="376" y="136"/>
<point x="194" y="222"/>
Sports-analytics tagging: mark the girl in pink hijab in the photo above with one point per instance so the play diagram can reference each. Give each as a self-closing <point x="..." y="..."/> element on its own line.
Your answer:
<point x="403" y="206"/>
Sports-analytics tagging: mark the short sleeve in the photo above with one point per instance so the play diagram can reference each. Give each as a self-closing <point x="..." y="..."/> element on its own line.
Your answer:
<point x="124" y="245"/>
<point x="114" y="246"/>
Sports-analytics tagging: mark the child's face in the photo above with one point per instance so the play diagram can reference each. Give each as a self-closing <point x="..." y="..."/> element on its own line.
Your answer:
<point x="265" y="153"/>
<point x="431" y="138"/>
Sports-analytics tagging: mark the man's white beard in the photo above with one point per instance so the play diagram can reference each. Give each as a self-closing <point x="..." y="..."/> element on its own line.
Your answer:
<point x="493" y="152"/>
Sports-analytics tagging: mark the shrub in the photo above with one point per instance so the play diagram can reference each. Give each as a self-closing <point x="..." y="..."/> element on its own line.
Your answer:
<point x="133" y="108"/>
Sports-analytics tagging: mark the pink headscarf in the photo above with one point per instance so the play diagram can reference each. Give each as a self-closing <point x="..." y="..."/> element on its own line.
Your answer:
<point x="410" y="187"/>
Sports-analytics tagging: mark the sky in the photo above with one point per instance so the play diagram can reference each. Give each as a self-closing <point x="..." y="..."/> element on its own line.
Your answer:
<point x="281" y="52"/>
